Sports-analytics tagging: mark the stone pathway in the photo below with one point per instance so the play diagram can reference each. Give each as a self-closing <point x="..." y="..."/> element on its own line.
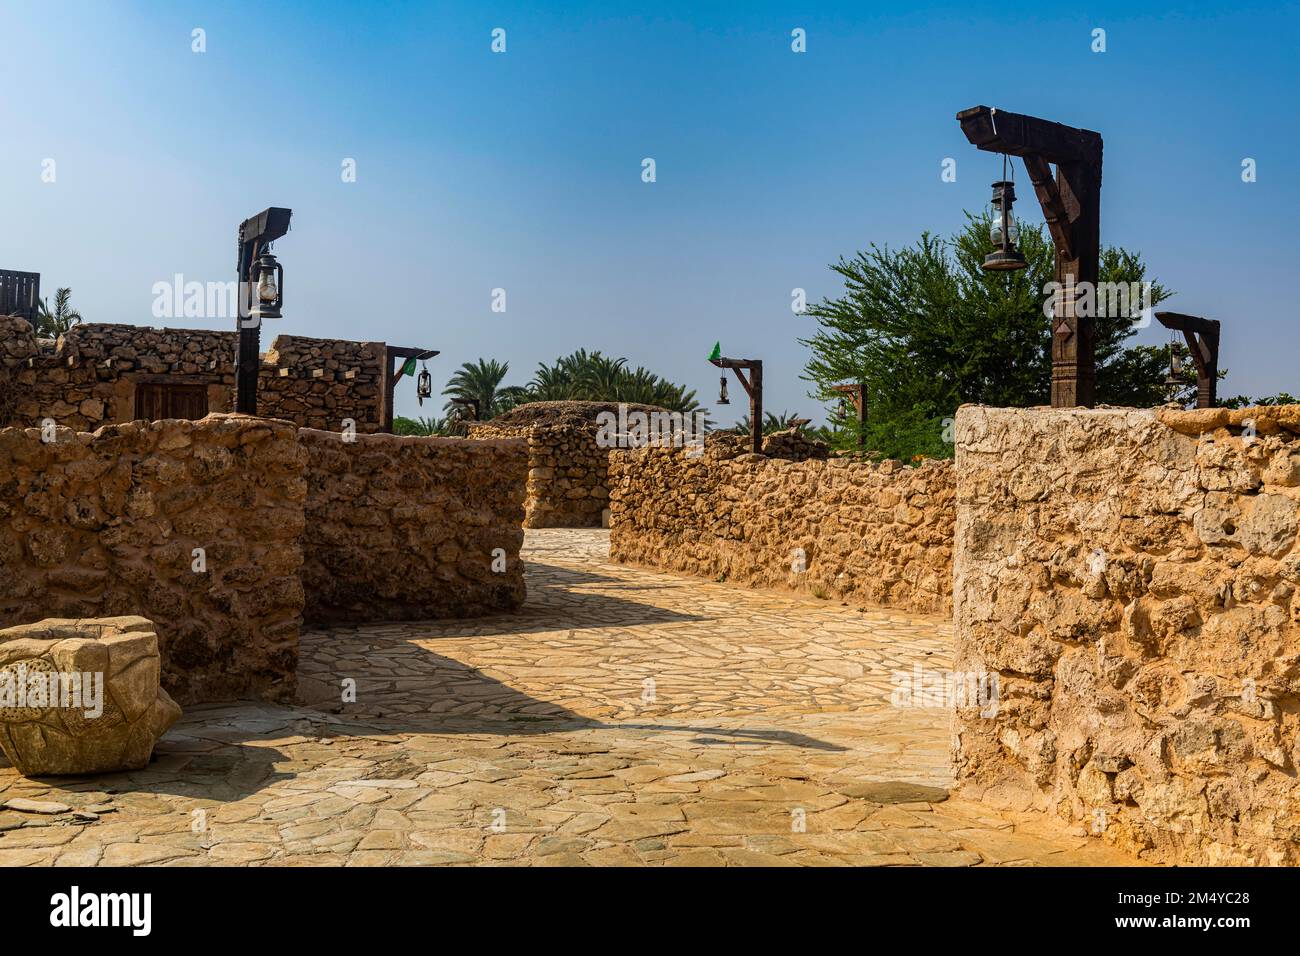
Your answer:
<point x="624" y="717"/>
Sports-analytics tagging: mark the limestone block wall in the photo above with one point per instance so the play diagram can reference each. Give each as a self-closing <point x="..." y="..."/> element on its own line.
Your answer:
<point x="1132" y="578"/>
<point x="106" y="524"/>
<point x="841" y="528"/>
<point x="405" y="528"/>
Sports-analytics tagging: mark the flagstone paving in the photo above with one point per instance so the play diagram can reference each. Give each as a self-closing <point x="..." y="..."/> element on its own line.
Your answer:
<point x="625" y="716"/>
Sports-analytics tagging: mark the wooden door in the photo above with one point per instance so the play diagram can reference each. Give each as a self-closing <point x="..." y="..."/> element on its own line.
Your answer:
<point x="158" y="400"/>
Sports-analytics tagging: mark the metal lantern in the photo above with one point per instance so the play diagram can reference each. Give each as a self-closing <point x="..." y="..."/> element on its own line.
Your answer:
<point x="270" y="287"/>
<point x="722" y="391"/>
<point x="1175" y="377"/>
<point x="1004" y="231"/>
<point x="424" y="385"/>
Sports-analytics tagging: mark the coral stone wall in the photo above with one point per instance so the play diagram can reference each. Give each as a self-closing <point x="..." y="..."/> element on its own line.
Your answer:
<point x="89" y="377"/>
<point x="877" y="533"/>
<point x="410" y="528"/>
<point x="106" y="524"/>
<point x="1132" y="578"/>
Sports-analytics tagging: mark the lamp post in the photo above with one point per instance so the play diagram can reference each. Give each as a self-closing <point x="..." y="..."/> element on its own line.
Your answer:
<point x="261" y="296"/>
<point x="1072" y="209"/>
<point x="1202" y="338"/>
<point x="857" y="394"/>
<point x="754" y="386"/>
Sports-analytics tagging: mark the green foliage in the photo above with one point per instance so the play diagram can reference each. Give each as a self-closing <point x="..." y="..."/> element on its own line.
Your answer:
<point x="771" y="423"/>
<point x="422" y="426"/>
<point x="51" y="324"/>
<point x="928" y="330"/>
<point x="480" y="381"/>
<point x="594" y="377"/>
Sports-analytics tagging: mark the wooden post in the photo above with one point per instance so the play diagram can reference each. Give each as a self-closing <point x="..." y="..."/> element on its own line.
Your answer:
<point x="1072" y="207"/>
<point x="754" y="388"/>
<point x="857" y="392"/>
<point x="392" y="352"/>
<point x="1202" y="338"/>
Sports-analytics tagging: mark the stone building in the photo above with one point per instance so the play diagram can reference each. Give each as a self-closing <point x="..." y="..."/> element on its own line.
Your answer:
<point x="98" y="374"/>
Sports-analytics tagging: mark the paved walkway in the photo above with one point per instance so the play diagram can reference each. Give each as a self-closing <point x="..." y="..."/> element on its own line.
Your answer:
<point x="624" y="717"/>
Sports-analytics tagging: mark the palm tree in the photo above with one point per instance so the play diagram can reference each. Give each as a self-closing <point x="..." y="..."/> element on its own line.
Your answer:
<point x="481" y="381"/>
<point x="51" y="325"/>
<point x="421" y="426"/>
<point x="771" y="423"/>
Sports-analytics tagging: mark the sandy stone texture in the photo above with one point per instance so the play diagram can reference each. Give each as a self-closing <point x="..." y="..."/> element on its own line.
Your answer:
<point x="568" y="468"/>
<point x="107" y="711"/>
<point x="842" y="528"/>
<point x="401" y="528"/>
<point x="107" y="523"/>
<point x="533" y="739"/>
<point x="1132" y="576"/>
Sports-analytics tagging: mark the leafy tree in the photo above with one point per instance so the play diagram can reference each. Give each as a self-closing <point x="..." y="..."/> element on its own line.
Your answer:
<point x="422" y="426"/>
<point x="51" y="324"/>
<point x="927" y="330"/>
<point x="594" y="377"/>
<point x="481" y="381"/>
<point x="771" y="423"/>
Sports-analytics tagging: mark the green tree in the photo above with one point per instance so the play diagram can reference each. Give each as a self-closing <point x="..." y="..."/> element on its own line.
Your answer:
<point x="51" y="324"/>
<point x="594" y="377"/>
<point x="771" y="423"/>
<point x="481" y="381"/>
<point x="927" y="330"/>
<point x="422" y="426"/>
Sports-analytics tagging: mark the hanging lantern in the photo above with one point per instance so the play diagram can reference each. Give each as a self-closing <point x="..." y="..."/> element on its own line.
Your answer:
<point x="424" y="385"/>
<point x="1175" y="377"/>
<point x="269" y="287"/>
<point x="1003" y="229"/>
<point x="722" y="391"/>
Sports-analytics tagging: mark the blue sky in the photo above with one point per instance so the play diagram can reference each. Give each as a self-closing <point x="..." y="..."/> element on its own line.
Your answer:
<point x="522" y="170"/>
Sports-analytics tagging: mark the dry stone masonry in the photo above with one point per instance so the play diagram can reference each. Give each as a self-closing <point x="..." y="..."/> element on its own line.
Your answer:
<point x="201" y="527"/>
<point x="92" y="375"/>
<point x="1132" y="578"/>
<point x="80" y="697"/>
<point x="568" y="480"/>
<point x="194" y="525"/>
<point x="410" y="528"/>
<point x="841" y="528"/>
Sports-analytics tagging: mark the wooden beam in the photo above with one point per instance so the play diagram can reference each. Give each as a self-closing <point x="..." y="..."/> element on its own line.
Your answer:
<point x="1072" y="207"/>
<point x="1202" y="338"/>
<point x="754" y="387"/>
<point x="1049" y="197"/>
<point x="392" y="352"/>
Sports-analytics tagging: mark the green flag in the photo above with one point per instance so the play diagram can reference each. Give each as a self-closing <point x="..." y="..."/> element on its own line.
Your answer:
<point x="716" y="353"/>
<point x="408" y="368"/>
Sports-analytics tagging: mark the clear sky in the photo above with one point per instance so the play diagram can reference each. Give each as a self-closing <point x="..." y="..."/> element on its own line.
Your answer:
<point x="522" y="170"/>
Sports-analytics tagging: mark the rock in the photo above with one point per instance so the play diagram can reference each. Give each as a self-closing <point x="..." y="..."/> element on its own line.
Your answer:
<point x="894" y="791"/>
<point x="23" y="805"/>
<point x="56" y="718"/>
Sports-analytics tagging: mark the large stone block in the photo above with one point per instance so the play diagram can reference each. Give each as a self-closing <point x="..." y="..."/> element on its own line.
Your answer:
<point x="81" y="696"/>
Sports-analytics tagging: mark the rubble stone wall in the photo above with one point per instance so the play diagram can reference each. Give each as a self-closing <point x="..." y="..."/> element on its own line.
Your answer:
<point x="403" y="528"/>
<point x="840" y="528"/>
<point x="1132" y="578"/>
<point x="89" y="377"/>
<point x="568" y="472"/>
<point x="106" y="524"/>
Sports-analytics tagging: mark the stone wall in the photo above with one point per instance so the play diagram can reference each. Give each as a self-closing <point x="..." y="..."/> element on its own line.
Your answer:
<point x="1132" y="576"/>
<point x="410" y="528"/>
<point x="89" y="377"/>
<point x="873" y="533"/>
<point x="105" y="524"/>
<point x="568" y="469"/>
<point x="316" y="383"/>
